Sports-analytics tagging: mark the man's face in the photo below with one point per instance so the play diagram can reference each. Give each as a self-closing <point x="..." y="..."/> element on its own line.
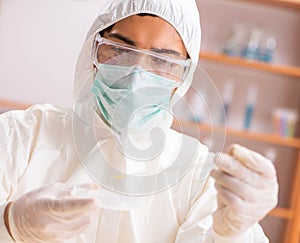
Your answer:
<point x="148" y="32"/>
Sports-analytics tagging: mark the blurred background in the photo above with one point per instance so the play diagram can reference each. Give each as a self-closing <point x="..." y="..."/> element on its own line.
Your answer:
<point x="250" y="50"/>
<point x="39" y="45"/>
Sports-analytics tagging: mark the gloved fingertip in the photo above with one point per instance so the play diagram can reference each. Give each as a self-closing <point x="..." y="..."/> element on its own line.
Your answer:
<point x="90" y="205"/>
<point x="92" y="185"/>
<point x="234" y="148"/>
<point x="215" y="173"/>
<point x="95" y="186"/>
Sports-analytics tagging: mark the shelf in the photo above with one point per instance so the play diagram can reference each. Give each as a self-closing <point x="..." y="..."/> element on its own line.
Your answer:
<point x="282" y="213"/>
<point x="284" y="70"/>
<point x="12" y="105"/>
<point x="266" y="76"/>
<point x="260" y="137"/>
<point x="292" y="4"/>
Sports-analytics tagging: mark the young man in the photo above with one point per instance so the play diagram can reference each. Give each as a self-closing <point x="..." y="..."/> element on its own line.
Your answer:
<point x="135" y="61"/>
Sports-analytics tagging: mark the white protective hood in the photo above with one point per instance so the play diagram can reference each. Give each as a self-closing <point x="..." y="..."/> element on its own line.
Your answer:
<point x="184" y="16"/>
<point x="181" y="14"/>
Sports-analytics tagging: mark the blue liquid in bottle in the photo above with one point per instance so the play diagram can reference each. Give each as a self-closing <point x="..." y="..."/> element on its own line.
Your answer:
<point x="248" y="116"/>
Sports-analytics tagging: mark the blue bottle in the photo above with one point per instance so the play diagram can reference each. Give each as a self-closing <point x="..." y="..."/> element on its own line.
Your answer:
<point x="249" y="108"/>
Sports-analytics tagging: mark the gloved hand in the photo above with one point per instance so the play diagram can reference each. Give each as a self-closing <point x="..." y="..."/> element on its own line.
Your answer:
<point x="51" y="214"/>
<point x="247" y="189"/>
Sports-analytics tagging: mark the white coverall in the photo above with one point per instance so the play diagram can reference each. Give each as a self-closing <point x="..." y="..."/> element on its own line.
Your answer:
<point x="37" y="149"/>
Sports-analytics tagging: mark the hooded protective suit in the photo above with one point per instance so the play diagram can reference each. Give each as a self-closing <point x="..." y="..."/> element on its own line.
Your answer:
<point x="38" y="147"/>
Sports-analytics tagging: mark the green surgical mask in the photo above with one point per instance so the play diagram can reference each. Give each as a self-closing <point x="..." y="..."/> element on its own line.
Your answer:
<point x="131" y="97"/>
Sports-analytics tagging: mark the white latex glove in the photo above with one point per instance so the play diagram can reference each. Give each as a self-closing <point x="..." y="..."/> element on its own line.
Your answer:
<point x="51" y="214"/>
<point x="247" y="189"/>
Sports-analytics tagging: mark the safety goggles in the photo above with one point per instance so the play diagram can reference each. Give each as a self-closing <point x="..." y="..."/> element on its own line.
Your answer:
<point x="113" y="53"/>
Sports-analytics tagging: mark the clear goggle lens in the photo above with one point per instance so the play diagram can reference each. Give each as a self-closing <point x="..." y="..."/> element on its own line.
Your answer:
<point x="113" y="53"/>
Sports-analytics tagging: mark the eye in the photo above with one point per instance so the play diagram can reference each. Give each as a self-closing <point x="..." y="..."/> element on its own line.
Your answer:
<point x="123" y="56"/>
<point x="160" y="63"/>
<point x="115" y="51"/>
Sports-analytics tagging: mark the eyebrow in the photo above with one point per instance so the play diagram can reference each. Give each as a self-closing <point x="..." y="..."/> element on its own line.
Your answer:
<point x="133" y="43"/>
<point x="122" y="38"/>
<point x="166" y="51"/>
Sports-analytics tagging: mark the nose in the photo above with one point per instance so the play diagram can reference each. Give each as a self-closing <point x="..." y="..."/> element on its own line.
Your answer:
<point x="142" y="60"/>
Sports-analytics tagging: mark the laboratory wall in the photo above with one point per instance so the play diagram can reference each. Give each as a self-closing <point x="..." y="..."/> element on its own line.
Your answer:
<point x="39" y="45"/>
